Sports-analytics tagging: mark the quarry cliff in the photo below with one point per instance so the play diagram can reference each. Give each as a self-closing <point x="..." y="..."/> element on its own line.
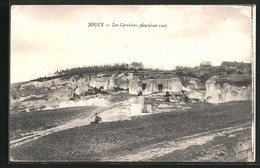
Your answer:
<point x="94" y="89"/>
<point x="220" y="90"/>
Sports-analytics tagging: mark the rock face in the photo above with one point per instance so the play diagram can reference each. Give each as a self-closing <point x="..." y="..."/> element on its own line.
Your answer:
<point x="193" y="88"/>
<point x="149" y="86"/>
<point x="217" y="93"/>
<point x="77" y="90"/>
<point x="39" y="95"/>
<point x="35" y="95"/>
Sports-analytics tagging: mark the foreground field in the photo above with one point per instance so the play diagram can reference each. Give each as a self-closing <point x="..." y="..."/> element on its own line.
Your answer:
<point x="205" y="132"/>
<point x="24" y="123"/>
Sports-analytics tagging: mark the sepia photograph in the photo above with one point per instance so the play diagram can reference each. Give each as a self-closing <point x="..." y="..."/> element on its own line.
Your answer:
<point x="132" y="83"/>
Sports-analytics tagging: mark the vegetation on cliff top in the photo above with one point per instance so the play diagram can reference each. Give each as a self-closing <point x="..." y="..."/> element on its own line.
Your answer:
<point x="237" y="80"/>
<point x="101" y="68"/>
<point x="203" y="72"/>
<point x="94" y="69"/>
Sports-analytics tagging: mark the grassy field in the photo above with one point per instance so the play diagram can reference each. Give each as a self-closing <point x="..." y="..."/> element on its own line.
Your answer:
<point x="94" y="142"/>
<point x="40" y="120"/>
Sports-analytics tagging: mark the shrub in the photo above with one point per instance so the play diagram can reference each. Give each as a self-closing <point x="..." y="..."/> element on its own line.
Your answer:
<point x="184" y="81"/>
<point x="230" y="71"/>
<point x="205" y="64"/>
<point x="240" y="72"/>
<point x="203" y="78"/>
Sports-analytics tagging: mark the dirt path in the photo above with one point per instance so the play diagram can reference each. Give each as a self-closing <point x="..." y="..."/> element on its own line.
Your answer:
<point x="70" y="124"/>
<point x="104" y="112"/>
<point x="160" y="149"/>
<point x="114" y="112"/>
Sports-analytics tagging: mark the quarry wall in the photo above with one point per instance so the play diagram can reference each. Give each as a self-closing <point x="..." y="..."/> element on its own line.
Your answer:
<point x="56" y="93"/>
<point x="149" y="86"/>
<point x="217" y="93"/>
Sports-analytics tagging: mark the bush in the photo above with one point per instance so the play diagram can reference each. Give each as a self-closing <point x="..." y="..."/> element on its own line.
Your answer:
<point x="205" y="64"/>
<point x="237" y="80"/>
<point x="184" y="81"/>
<point x="203" y="78"/>
<point x="240" y="72"/>
<point x="230" y="71"/>
<point x="186" y="99"/>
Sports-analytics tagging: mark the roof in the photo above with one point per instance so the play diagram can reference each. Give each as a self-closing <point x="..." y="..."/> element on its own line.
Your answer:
<point x="235" y="64"/>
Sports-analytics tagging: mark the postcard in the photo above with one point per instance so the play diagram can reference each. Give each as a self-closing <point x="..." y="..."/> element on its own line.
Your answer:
<point x="132" y="83"/>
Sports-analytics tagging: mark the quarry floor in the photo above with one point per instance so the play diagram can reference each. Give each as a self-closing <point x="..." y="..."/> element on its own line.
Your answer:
<point x="200" y="132"/>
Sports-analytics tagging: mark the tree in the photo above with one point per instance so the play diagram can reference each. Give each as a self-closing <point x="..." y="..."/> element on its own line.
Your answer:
<point x="57" y="73"/>
<point x="136" y="65"/>
<point x="205" y="64"/>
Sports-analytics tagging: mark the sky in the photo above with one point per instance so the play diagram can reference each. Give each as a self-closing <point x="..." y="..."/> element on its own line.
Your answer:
<point x="46" y="38"/>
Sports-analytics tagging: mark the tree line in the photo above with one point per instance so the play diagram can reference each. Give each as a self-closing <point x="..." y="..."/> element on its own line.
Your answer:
<point x="203" y="72"/>
<point x="101" y="68"/>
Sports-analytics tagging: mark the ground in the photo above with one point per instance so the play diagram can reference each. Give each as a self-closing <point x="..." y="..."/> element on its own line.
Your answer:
<point x="203" y="132"/>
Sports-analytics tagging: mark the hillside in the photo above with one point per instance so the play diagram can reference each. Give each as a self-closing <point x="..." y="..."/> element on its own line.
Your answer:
<point x="49" y="93"/>
<point x="210" y="132"/>
<point x="187" y="114"/>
